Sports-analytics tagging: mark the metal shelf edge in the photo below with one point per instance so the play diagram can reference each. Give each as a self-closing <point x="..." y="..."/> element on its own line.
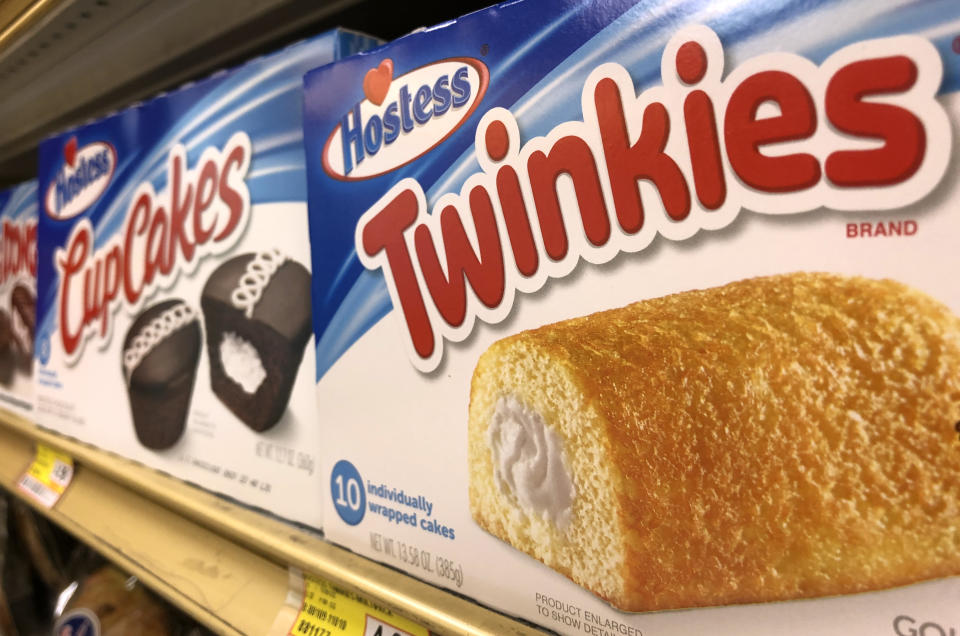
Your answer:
<point x="280" y="542"/>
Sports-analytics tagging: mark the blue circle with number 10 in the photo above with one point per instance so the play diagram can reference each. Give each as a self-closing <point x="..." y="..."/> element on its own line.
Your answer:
<point x="347" y="492"/>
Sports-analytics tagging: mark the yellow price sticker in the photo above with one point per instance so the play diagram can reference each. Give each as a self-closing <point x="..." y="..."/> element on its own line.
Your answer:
<point x="328" y="610"/>
<point x="47" y="477"/>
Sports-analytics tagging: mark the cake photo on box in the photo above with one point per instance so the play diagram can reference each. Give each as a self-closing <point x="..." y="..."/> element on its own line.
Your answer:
<point x="774" y="438"/>
<point x="160" y="357"/>
<point x="8" y="350"/>
<point x="256" y="309"/>
<point x="23" y="316"/>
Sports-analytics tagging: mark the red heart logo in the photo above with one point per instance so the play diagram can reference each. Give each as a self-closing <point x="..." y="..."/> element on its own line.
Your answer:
<point x="70" y="152"/>
<point x="376" y="82"/>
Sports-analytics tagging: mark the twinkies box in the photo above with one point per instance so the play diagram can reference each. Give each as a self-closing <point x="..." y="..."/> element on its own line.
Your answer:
<point x="174" y="284"/>
<point x="623" y="308"/>
<point x="18" y="295"/>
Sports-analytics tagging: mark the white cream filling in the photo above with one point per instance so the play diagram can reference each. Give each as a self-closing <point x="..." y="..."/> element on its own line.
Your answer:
<point x="528" y="462"/>
<point x="241" y="362"/>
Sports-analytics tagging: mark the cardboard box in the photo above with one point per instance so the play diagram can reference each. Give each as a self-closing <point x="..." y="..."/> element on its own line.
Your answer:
<point x="627" y="307"/>
<point x="174" y="283"/>
<point x="18" y="295"/>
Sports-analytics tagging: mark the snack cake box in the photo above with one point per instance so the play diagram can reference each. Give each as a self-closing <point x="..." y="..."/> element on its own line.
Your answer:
<point x="174" y="283"/>
<point x="628" y="308"/>
<point x="18" y="295"/>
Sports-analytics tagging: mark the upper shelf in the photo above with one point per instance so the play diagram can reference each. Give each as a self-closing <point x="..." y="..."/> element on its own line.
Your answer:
<point x="222" y="563"/>
<point x="64" y="61"/>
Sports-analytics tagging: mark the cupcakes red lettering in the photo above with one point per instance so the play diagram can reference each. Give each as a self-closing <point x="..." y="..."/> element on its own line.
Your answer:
<point x="202" y="212"/>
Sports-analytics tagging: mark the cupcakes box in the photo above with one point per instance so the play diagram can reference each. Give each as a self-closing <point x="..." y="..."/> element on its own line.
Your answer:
<point x="174" y="284"/>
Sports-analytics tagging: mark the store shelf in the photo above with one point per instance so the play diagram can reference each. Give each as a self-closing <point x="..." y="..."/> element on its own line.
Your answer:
<point x="227" y="588"/>
<point x="63" y="62"/>
<point x="225" y="565"/>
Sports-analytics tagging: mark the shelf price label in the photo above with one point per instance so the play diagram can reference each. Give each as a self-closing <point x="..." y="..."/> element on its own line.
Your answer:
<point x="323" y="609"/>
<point x="47" y="476"/>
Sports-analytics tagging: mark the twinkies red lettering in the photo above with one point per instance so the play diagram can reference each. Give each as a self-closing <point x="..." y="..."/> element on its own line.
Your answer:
<point x="162" y="235"/>
<point x="484" y="271"/>
<point x="705" y="158"/>
<point x="777" y="135"/>
<point x="902" y="133"/>
<point x="627" y="162"/>
<point x="570" y="156"/>
<point x="516" y="220"/>
<point x="385" y="233"/>
<point x="746" y="133"/>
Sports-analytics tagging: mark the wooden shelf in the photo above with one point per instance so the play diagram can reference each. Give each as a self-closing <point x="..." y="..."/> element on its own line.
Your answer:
<point x="225" y="565"/>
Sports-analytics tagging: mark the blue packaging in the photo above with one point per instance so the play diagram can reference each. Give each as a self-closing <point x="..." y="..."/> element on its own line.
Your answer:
<point x="623" y="308"/>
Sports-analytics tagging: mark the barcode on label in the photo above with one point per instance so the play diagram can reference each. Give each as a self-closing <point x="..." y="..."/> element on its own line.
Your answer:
<point x="38" y="490"/>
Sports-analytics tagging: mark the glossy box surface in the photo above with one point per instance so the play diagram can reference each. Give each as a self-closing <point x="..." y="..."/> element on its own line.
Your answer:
<point x="630" y="307"/>
<point x="145" y="348"/>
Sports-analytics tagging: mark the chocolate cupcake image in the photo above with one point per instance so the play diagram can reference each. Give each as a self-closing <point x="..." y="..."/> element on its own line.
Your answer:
<point x="8" y="353"/>
<point x="23" y="317"/>
<point x="257" y="312"/>
<point x="160" y="356"/>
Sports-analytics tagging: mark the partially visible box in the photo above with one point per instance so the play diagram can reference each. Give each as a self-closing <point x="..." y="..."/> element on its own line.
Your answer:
<point x="174" y="283"/>
<point x="18" y="295"/>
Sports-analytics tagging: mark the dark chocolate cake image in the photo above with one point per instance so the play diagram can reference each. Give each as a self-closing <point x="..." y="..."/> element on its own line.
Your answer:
<point x="256" y="308"/>
<point x="160" y="356"/>
<point x="23" y="318"/>
<point x="8" y="354"/>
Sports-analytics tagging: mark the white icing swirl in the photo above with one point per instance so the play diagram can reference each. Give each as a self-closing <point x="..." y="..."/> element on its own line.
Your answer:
<point x="528" y="462"/>
<point x="255" y="279"/>
<point x="154" y="333"/>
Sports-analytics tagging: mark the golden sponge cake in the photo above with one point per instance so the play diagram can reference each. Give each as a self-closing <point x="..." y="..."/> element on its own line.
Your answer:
<point x="775" y="438"/>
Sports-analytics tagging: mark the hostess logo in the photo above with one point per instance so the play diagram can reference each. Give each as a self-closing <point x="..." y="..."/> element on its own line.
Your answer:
<point x="85" y="174"/>
<point x="403" y="117"/>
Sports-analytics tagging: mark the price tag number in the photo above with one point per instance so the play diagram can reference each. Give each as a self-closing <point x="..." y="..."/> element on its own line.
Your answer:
<point x="377" y="627"/>
<point x="309" y="628"/>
